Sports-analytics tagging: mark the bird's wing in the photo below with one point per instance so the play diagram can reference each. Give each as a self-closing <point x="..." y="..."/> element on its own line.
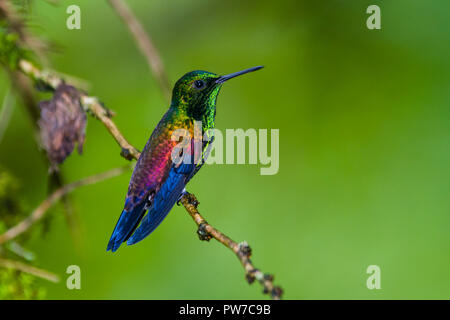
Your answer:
<point x="151" y="170"/>
<point x="166" y="197"/>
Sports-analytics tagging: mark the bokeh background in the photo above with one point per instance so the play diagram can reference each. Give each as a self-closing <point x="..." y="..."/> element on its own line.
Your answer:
<point x="364" y="149"/>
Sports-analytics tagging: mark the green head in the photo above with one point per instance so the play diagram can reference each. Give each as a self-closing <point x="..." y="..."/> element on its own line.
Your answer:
<point x="196" y="92"/>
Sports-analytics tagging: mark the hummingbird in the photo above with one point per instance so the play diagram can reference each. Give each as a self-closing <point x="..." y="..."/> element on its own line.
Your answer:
<point x="158" y="181"/>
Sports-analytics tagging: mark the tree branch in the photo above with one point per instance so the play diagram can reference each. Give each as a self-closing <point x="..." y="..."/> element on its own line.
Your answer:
<point x="20" y="251"/>
<point x="17" y="265"/>
<point x="40" y="211"/>
<point x="145" y="44"/>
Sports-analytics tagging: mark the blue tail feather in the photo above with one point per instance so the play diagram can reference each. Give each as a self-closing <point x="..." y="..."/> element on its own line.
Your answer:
<point x="164" y="200"/>
<point x="127" y="224"/>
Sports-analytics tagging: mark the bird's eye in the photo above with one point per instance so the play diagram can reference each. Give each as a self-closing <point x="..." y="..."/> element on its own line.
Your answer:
<point x="199" y="84"/>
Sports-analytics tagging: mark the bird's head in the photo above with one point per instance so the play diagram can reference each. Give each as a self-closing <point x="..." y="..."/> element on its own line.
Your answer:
<point x="197" y="91"/>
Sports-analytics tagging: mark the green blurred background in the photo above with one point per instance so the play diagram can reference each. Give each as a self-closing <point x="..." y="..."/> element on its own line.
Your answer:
<point x="364" y="149"/>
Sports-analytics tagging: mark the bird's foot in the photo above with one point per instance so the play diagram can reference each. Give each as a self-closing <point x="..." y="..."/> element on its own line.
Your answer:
<point x="191" y="199"/>
<point x="183" y="193"/>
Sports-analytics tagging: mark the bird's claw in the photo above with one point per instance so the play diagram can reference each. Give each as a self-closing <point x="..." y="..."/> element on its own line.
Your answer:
<point x="193" y="201"/>
<point x="183" y="193"/>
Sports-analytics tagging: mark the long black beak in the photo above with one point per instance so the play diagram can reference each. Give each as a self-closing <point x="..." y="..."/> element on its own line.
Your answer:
<point x="222" y="79"/>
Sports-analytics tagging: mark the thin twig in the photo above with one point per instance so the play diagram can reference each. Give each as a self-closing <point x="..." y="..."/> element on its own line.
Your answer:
<point x="144" y="43"/>
<point x="40" y="211"/>
<point x="6" y="113"/>
<point x="17" y="265"/>
<point x="17" y="249"/>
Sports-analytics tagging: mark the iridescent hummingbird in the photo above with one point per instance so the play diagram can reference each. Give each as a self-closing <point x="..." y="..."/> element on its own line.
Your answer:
<point x="158" y="182"/>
